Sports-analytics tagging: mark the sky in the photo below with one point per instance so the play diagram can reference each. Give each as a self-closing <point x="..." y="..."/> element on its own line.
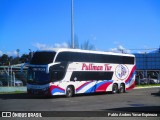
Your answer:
<point x="108" y="24"/>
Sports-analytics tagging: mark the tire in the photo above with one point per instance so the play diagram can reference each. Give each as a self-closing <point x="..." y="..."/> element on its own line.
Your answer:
<point x="122" y="89"/>
<point x="69" y="91"/>
<point x="114" y="88"/>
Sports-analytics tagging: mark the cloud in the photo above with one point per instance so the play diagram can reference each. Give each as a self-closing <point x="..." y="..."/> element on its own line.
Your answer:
<point x="41" y="46"/>
<point x="12" y="53"/>
<point x="63" y="45"/>
<point x="120" y="49"/>
<point x="9" y="53"/>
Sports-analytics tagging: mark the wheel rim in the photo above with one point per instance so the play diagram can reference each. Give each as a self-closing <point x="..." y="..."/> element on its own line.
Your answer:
<point x="122" y="89"/>
<point x="115" y="89"/>
<point x="69" y="92"/>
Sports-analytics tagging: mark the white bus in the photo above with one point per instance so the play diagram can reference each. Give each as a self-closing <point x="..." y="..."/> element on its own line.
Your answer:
<point x="73" y="71"/>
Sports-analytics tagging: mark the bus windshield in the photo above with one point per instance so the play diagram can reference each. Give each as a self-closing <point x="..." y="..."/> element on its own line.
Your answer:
<point x="42" y="58"/>
<point x="37" y="77"/>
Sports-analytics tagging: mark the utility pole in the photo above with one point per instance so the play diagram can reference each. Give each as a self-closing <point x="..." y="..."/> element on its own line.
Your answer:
<point x="72" y="23"/>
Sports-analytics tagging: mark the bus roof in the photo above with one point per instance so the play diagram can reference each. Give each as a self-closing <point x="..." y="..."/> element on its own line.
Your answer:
<point x="85" y="51"/>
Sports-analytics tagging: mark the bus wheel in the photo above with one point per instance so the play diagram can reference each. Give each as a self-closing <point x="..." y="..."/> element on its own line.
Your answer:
<point x="69" y="91"/>
<point x="114" y="88"/>
<point x="122" y="88"/>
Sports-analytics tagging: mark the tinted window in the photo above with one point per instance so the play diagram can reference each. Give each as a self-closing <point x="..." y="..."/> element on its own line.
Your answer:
<point x="128" y="60"/>
<point x="97" y="58"/>
<point x="42" y="58"/>
<point x="58" y="71"/>
<point x="88" y="75"/>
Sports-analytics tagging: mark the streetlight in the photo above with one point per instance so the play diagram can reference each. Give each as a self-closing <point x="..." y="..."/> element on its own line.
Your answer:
<point x="29" y="50"/>
<point x="30" y="54"/>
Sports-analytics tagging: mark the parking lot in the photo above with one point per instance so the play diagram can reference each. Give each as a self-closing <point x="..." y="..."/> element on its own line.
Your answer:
<point x="135" y="100"/>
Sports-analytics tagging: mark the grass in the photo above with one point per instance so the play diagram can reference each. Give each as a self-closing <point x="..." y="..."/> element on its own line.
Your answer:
<point x="14" y="92"/>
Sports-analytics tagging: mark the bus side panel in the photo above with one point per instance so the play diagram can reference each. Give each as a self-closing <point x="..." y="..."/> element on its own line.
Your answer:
<point x="85" y="87"/>
<point x="109" y="88"/>
<point x="94" y="86"/>
<point x="59" y="88"/>
<point x="56" y="90"/>
<point x="102" y="86"/>
<point x="130" y="81"/>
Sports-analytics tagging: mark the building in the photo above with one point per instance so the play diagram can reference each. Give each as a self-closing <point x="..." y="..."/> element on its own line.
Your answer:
<point x="148" y="65"/>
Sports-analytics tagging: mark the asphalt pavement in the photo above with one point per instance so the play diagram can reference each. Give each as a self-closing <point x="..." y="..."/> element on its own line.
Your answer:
<point x="91" y="105"/>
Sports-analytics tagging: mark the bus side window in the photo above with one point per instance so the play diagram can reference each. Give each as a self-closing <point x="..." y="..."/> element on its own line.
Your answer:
<point x="84" y="76"/>
<point x="57" y="72"/>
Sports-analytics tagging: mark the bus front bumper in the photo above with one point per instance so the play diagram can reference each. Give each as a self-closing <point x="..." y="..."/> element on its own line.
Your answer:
<point x="38" y="89"/>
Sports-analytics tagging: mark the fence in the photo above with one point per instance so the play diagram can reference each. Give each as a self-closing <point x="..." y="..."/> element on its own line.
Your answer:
<point x="12" y="76"/>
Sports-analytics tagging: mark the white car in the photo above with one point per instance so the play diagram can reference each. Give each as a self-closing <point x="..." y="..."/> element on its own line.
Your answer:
<point x="17" y="83"/>
<point x="144" y="81"/>
<point x="154" y="81"/>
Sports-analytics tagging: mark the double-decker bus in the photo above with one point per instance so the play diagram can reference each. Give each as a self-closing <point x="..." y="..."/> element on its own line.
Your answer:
<point x="73" y="71"/>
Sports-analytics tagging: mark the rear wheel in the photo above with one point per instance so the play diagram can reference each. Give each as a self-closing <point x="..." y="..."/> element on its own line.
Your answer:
<point x="69" y="91"/>
<point x="115" y="88"/>
<point x="122" y="88"/>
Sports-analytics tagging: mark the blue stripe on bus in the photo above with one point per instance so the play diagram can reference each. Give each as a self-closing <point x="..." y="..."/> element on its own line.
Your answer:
<point x="130" y="79"/>
<point x="82" y="86"/>
<point x="93" y="88"/>
<point x="57" y="90"/>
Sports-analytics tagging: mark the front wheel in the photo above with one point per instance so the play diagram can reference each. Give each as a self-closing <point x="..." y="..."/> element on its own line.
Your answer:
<point x="69" y="91"/>
<point x="115" y="88"/>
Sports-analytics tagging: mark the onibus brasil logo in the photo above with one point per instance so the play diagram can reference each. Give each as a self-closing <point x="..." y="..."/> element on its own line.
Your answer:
<point x="121" y="72"/>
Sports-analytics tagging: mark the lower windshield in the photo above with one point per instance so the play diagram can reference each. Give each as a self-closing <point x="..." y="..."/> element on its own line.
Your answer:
<point x="37" y="77"/>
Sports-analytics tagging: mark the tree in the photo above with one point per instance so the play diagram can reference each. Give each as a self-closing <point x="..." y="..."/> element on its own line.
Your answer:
<point x="15" y="61"/>
<point x="4" y="59"/>
<point x="24" y="58"/>
<point x="87" y="46"/>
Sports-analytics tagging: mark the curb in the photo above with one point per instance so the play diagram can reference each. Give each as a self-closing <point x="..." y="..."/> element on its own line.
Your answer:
<point x="147" y="87"/>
